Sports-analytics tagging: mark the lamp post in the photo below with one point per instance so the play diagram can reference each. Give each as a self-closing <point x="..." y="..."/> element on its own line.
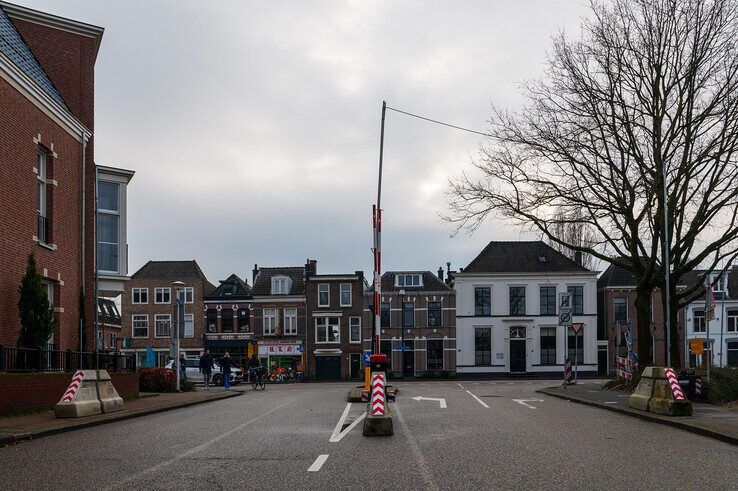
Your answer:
<point x="179" y="317"/>
<point x="402" y="328"/>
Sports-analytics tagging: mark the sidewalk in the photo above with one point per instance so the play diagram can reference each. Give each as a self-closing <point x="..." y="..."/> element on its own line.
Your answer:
<point x="707" y="420"/>
<point x="32" y="426"/>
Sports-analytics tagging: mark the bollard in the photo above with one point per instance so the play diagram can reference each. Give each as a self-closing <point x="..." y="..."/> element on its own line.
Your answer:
<point x="378" y="420"/>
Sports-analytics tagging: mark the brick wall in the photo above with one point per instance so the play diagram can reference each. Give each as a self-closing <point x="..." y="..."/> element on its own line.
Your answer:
<point x="20" y="391"/>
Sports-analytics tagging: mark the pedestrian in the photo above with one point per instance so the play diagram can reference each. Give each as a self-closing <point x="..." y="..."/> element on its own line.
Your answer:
<point x="182" y="366"/>
<point x="225" y="368"/>
<point x="206" y="367"/>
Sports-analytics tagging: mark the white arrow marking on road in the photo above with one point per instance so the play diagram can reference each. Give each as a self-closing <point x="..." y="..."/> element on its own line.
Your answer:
<point x="477" y="398"/>
<point x="525" y="401"/>
<point x="440" y="400"/>
<point x="318" y="463"/>
<point x="337" y="433"/>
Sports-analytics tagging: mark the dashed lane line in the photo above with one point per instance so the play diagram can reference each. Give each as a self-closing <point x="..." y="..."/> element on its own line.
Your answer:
<point x="318" y="463"/>
<point x="477" y="398"/>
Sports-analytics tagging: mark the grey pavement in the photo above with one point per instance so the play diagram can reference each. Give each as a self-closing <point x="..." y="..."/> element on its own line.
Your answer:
<point x="270" y="439"/>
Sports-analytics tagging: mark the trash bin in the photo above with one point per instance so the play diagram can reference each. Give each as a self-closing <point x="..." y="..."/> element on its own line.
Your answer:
<point x="687" y="381"/>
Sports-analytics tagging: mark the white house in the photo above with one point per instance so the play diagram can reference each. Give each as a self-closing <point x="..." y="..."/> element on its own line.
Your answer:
<point x="507" y="315"/>
<point x="723" y="329"/>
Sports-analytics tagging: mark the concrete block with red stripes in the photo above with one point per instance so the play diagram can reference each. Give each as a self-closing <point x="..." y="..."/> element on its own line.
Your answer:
<point x="81" y="397"/>
<point x="378" y="401"/>
<point x="378" y="420"/>
<point x="73" y="388"/>
<point x="673" y="382"/>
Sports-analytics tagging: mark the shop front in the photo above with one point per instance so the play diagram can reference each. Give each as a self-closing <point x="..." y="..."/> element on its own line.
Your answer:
<point x="235" y="343"/>
<point x="282" y="354"/>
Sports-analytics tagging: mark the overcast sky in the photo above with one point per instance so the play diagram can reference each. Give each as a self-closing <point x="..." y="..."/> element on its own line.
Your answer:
<point x="253" y="127"/>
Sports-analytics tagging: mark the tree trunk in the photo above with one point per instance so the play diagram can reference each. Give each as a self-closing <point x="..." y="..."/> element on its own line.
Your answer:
<point x="643" y="319"/>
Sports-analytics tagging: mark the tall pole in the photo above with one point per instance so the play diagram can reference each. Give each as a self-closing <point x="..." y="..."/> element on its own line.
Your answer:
<point x="377" y="222"/>
<point x="724" y="279"/>
<point x="95" y="265"/>
<point x="667" y="270"/>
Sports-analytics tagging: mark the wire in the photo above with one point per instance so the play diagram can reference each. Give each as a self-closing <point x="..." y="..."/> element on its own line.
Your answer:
<point x="438" y="122"/>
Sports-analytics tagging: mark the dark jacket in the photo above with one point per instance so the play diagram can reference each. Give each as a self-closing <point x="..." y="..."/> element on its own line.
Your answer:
<point x="254" y="362"/>
<point x="206" y="363"/>
<point x="225" y="364"/>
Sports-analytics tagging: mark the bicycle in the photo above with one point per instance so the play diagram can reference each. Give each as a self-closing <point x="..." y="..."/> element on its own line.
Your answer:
<point x="257" y="378"/>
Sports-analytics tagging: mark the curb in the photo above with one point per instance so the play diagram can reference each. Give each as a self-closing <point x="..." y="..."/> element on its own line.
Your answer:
<point x="9" y="439"/>
<point x="646" y="417"/>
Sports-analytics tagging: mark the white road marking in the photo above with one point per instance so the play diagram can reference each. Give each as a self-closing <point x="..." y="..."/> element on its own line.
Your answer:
<point x="337" y="433"/>
<point x="611" y="402"/>
<point x="460" y="385"/>
<point x="341" y="420"/>
<point x="478" y="399"/>
<point x="318" y="463"/>
<point x="423" y="467"/>
<point x="524" y="402"/>
<point x="440" y="400"/>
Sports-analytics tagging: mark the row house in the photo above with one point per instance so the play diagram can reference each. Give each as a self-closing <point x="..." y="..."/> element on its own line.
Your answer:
<point x="228" y="319"/>
<point x="334" y="307"/>
<point x="148" y="305"/>
<point x="47" y="176"/>
<point x="418" y="323"/>
<point x="507" y="312"/>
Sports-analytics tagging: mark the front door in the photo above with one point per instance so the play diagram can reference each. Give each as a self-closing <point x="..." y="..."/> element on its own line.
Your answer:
<point x="408" y="359"/>
<point x="354" y="365"/>
<point x="517" y="355"/>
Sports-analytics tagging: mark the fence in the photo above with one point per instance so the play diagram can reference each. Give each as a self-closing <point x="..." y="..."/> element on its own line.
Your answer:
<point x="51" y="360"/>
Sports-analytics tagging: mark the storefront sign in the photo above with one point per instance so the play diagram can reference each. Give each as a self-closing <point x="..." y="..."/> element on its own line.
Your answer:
<point x="292" y="349"/>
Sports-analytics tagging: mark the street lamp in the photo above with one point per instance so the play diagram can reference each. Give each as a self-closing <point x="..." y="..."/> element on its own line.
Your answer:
<point x="178" y="316"/>
<point x="402" y="328"/>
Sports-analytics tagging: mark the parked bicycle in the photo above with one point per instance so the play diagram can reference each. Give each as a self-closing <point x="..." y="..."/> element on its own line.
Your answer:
<point x="257" y="377"/>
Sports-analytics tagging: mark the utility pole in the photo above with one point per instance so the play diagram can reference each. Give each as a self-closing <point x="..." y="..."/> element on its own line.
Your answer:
<point x="667" y="270"/>
<point x="377" y="250"/>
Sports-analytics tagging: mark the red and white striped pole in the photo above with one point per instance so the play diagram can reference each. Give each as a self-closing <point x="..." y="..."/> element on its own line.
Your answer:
<point x="74" y="386"/>
<point x="676" y="389"/>
<point x="377" y="250"/>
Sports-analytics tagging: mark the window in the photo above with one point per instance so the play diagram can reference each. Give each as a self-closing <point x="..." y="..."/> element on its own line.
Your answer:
<point x="270" y="321"/>
<point x="482" y="301"/>
<point x="548" y="346"/>
<point x="483" y="346"/>
<point x="408" y="314"/>
<point x="244" y="320"/>
<point x="578" y="342"/>
<point x="577" y="299"/>
<point x="620" y="310"/>
<point x="211" y="320"/>
<point x="434" y="314"/>
<point x="548" y="300"/>
<point x="385" y="314"/>
<point x="226" y="320"/>
<point x="108" y="218"/>
<point x="162" y="295"/>
<point x="324" y="292"/>
<point x="718" y="284"/>
<point x="43" y="224"/>
<point x="189" y="326"/>
<point x="408" y="280"/>
<point x="280" y="285"/>
<point x="113" y="339"/>
<point x="187" y="293"/>
<point x="327" y="330"/>
<point x="732" y="320"/>
<point x="733" y="354"/>
<point x="140" y="326"/>
<point x="140" y="295"/>
<point x="698" y="321"/>
<point x="162" y="325"/>
<point x="354" y="329"/>
<point x="517" y="300"/>
<point x="290" y="321"/>
<point x="435" y="354"/>
<point x="345" y="294"/>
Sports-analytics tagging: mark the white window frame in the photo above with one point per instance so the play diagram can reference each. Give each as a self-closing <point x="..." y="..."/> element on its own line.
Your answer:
<point x="269" y="321"/>
<point x="353" y="322"/>
<point x="115" y="213"/>
<point x="324" y="289"/>
<point x="290" y="321"/>
<point x="162" y="289"/>
<point x="401" y="280"/>
<point x="734" y="318"/>
<point x="345" y="288"/>
<point x="281" y="280"/>
<point x="162" y="318"/>
<point x="188" y="293"/>
<point x="325" y="322"/>
<point x="189" y="319"/>
<point x="139" y="290"/>
<point x="141" y="318"/>
<point x="627" y="313"/>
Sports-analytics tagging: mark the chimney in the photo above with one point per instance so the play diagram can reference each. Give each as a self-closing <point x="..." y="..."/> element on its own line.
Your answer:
<point x="311" y="267"/>
<point x="440" y="274"/>
<point x="360" y="274"/>
<point x="578" y="257"/>
<point x="448" y="268"/>
<point x="254" y="273"/>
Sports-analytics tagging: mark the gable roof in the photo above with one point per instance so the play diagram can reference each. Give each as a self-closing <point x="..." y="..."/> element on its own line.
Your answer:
<point x="431" y="282"/>
<point x="616" y="276"/>
<point x="13" y="46"/>
<point x="522" y="257"/>
<point x="263" y="281"/>
<point x="174" y="270"/>
<point x="232" y="287"/>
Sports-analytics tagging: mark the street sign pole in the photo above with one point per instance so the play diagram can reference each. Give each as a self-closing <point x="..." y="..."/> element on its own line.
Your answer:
<point x="576" y="358"/>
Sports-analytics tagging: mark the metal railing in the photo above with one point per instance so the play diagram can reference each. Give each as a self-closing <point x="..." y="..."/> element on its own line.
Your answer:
<point x="49" y="360"/>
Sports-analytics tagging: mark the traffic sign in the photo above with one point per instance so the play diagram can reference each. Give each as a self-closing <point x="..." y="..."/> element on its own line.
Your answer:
<point x="565" y="300"/>
<point x="696" y="346"/>
<point x="577" y="327"/>
<point x="365" y="357"/>
<point x="565" y="317"/>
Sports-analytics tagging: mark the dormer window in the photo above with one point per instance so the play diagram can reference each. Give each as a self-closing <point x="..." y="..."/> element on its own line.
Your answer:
<point x="281" y="285"/>
<point x="718" y="284"/>
<point x="408" y="280"/>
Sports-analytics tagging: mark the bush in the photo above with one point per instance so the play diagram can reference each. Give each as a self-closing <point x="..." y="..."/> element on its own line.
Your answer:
<point x="186" y="385"/>
<point x="723" y="386"/>
<point x="157" y="379"/>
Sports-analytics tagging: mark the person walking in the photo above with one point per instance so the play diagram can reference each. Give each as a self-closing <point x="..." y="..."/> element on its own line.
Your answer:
<point x="182" y="367"/>
<point x="225" y="368"/>
<point x="206" y="367"/>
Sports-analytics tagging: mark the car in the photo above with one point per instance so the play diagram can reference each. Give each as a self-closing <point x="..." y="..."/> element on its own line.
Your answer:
<point x="193" y="372"/>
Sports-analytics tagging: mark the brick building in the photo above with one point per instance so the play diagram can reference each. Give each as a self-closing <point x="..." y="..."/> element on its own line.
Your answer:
<point x="334" y="308"/>
<point x="148" y="305"/>
<point x="418" y="315"/>
<point x="228" y="318"/>
<point x="47" y="73"/>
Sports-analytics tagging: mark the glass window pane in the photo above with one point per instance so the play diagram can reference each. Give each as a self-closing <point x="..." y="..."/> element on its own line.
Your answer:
<point x="107" y="196"/>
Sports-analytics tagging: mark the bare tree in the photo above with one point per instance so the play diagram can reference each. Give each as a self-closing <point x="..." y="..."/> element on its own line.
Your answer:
<point x="571" y="230"/>
<point x="646" y="95"/>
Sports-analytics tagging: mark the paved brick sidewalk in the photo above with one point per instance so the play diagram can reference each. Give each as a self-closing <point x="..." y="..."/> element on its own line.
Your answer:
<point x="708" y="420"/>
<point x="31" y="426"/>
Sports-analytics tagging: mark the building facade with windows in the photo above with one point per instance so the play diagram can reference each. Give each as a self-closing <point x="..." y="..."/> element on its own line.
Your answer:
<point x="227" y="319"/>
<point x="507" y="312"/>
<point x="148" y="306"/>
<point x="335" y="304"/>
<point x="279" y="315"/>
<point x="418" y="323"/>
<point x="47" y="73"/>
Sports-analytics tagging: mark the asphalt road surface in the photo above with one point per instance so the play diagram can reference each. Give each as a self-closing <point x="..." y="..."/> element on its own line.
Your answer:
<point x="491" y="434"/>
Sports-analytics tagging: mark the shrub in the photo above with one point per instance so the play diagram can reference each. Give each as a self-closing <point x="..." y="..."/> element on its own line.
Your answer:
<point x="186" y="385"/>
<point x="723" y="386"/>
<point x="157" y="379"/>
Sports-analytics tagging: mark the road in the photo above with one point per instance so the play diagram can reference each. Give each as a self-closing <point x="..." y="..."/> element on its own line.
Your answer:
<point x="492" y="434"/>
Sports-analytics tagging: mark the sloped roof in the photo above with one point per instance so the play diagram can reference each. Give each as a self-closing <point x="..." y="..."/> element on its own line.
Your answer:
<point x="108" y="312"/>
<point x="232" y="287"/>
<point x="615" y="276"/>
<point x="174" y="270"/>
<point x="522" y="257"/>
<point x="13" y="46"/>
<point x="431" y="282"/>
<point x="263" y="282"/>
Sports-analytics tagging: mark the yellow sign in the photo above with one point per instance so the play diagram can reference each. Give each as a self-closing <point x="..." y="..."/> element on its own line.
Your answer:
<point x="696" y="346"/>
<point x="250" y="350"/>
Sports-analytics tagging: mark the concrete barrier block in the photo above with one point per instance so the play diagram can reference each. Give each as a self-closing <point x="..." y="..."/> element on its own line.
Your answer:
<point x="85" y="400"/>
<point x="110" y="401"/>
<point x="654" y="395"/>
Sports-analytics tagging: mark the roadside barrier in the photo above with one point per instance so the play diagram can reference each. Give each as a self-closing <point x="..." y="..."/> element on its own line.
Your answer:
<point x="73" y="388"/>
<point x="625" y="367"/>
<point x="676" y="389"/>
<point x="698" y="387"/>
<point x="568" y="372"/>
